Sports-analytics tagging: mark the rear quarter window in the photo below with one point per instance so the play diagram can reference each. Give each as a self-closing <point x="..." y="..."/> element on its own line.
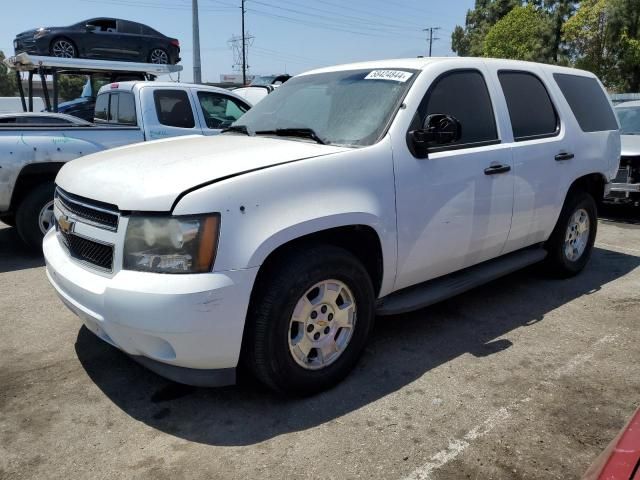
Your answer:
<point x="588" y="102"/>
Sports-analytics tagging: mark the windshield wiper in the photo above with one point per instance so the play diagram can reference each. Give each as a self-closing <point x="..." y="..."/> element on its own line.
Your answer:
<point x="294" y="132"/>
<point x="238" y="128"/>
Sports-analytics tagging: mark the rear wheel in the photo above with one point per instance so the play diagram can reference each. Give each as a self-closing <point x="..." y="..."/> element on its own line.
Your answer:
<point x="34" y="216"/>
<point x="572" y="240"/>
<point x="159" y="56"/>
<point x="63" y="48"/>
<point x="309" y="322"/>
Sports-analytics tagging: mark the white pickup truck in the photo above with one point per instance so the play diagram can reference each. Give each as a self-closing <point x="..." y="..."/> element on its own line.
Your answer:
<point x="377" y="187"/>
<point x="129" y="112"/>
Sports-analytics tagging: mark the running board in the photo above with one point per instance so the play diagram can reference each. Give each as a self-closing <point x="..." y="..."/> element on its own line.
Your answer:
<point x="438" y="289"/>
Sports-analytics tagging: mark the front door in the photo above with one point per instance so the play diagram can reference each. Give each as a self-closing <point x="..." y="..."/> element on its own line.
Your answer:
<point x="454" y="207"/>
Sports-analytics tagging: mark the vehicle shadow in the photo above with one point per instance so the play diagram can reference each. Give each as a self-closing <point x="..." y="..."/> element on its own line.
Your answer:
<point x="626" y="214"/>
<point x="401" y="350"/>
<point x="14" y="255"/>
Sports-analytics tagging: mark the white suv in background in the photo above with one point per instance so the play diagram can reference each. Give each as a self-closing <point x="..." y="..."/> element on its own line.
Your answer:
<point x="350" y="191"/>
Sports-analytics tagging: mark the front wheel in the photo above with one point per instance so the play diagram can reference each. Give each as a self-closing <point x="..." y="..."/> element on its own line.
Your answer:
<point x="572" y="240"/>
<point x="34" y="215"/>
<point x="63" y="48"/>
<point x="309" y="320"/>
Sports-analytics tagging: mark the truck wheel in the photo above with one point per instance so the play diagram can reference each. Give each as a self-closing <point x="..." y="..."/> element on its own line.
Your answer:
<point x="35" y="215"/>
<point x="309" y="322"/>
<point x="572" y="240"/>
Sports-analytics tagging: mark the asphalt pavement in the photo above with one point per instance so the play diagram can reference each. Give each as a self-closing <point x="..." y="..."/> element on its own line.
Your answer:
<point x="526" y="377"/>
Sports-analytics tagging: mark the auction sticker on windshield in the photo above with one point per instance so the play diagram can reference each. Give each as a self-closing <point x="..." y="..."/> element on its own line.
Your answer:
<point x="394" y="75"/>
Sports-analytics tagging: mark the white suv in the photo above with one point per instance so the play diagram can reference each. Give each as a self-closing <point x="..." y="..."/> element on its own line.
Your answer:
<point x="356" y="190"/>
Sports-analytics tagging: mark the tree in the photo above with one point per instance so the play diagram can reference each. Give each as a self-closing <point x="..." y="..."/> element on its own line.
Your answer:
<point x="522" y="34"/>
<point x="70" y="86"/>
<point x="469" y="41"/>
<point x="588" y="37"/>
<point x="8" y="85"/>
<point x="624" y="32"/>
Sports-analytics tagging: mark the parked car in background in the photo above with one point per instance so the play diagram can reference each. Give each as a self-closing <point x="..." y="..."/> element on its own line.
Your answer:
<point x="32" y="153"/>
<point x="277" y="79"/>
<point x="253" y="94"/>
<point x="377" y="187"/>
<point x="101" y="38"/>
<point x="625" y="188"/>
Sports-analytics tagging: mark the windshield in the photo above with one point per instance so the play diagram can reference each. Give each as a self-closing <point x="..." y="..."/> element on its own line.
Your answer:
<point x="629" y="120"/>
<point x="351" y="108"/>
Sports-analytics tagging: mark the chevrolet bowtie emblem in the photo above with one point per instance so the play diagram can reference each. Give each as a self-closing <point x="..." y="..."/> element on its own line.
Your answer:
<point x="64" y="224"/>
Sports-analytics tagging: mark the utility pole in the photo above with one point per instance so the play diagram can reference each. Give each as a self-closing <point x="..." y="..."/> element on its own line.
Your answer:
<point x="244" y="49"/>
<point x="197" y="67"/>
<point x="431" y="37"/>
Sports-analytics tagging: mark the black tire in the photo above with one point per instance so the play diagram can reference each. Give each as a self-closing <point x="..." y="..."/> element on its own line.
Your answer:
<point x="28" y="213"/>
<point x="557" y="262"/>
<point x="57" y="47"/>
<point x="266" y="344"/>
<point x="154" y="55"/>
<point x="9" y="220"/>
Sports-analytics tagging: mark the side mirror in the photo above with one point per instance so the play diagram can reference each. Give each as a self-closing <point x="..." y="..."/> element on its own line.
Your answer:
<point x="90" y="28"/>
<point x="438" y="129"/>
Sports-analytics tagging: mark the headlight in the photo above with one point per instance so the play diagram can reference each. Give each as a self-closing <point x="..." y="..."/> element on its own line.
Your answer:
<point x="40" y="33"/>
<point x="185" y="244"/>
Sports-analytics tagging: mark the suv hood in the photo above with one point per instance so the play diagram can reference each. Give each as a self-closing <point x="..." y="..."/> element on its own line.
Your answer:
<point x="150" y="176"/>
<point x="630" y="145"/>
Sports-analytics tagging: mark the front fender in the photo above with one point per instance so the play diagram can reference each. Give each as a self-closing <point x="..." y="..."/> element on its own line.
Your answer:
<point x="263" y="210"/>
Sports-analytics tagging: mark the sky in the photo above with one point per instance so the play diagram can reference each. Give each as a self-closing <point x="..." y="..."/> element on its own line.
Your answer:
<point x="289" y="36"/>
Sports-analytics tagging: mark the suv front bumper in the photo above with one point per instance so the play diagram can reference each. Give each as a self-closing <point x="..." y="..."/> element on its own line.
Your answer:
<point x="184" y="327"/>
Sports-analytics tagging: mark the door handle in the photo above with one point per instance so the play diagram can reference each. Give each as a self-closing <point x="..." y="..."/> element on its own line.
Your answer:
<point x="494" y="169"/>
<point x="564" y="156"/>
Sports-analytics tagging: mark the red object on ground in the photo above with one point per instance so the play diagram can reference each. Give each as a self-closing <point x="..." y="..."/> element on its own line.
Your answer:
<point x="621" y="459"/>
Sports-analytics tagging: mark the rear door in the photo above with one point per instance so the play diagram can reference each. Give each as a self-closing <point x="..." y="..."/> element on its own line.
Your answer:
<point x="130" y="39"/>
<point x="542" y="154"/>
<point x="454" y="207"/>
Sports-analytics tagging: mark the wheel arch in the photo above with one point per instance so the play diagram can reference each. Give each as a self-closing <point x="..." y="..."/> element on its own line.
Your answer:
<point x="30" y="177"/>
<point x="592" y="183"/>
<point x="360" y="239"/>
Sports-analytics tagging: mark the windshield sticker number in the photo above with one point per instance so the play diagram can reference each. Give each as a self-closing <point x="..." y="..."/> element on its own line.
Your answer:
<point x="393" y="75"/>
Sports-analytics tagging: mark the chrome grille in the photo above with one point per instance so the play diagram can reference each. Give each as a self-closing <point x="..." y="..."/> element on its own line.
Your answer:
<point x="97" y="254"/>
<point x="87" y="211"/>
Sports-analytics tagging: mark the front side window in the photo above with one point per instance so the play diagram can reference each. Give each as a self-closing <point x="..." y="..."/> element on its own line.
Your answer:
<point x="103" y="25"/>
<point x="220" y="110"/>
<point x="462" y="94"/>
<point x="173" y="108"/>
<point x="350" y="108"/>
<point x="530" y="109"/>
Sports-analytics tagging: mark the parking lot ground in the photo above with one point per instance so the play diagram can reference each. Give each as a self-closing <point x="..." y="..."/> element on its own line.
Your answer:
<point x="526" y="377"/>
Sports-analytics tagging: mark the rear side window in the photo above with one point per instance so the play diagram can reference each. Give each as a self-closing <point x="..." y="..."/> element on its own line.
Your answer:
<point x="115" y="108"/>
<point x="173" y="108"/>
<point x="588" y="102"/>
<point x="530" y="109"/>
<point x="462" y="94"/>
